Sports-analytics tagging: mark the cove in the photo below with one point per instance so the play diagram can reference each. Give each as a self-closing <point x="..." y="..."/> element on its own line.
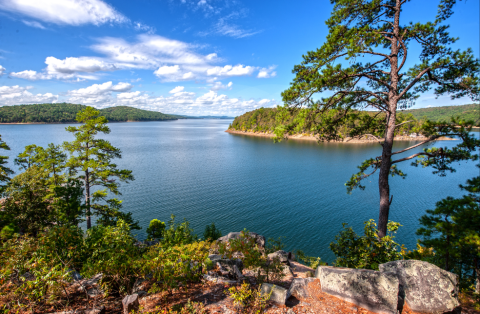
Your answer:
<point x="294" y="189"/>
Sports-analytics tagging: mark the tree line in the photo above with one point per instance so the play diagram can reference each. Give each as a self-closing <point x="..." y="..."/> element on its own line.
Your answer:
<point x="66" y="113"/>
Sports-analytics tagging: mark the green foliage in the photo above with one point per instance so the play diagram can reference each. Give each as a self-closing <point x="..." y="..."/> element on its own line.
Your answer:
<point x="452" y="230"/>
<point x="65" y="113"/>
<point x="178" y="234"/>
<point x="92" y="157"/>
<point x="190" y="308"/>
<point x="155" y="229"/>
<point x="5" y="172"/>
<point x="252" y="256"/>
<point x="211" y="233"/>
<point x="367" y="251"/>
<point x="171" y="265"/>
<point x="310" y="261"/>
<point x="8" y="231"/>
<point x="249" y="300"/>
<point x="112" y="252"/>
<point x="437" y="114"/>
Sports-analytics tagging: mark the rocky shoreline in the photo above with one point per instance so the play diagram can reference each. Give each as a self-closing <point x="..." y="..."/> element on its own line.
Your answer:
<point x="348" y="140"/>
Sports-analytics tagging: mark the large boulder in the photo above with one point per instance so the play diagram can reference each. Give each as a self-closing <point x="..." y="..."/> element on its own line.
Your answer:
<point x="130" y="303"/>
<point x="281" y="255"/>
<point x="373" y="290"/>
<point x="259" y="239"/>
<point x="299" y="287"/>
<point x="277" y="294"/>
<point x="426" y="287"/>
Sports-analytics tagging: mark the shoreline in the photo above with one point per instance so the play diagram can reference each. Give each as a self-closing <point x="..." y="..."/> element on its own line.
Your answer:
<point x="75" y="122"/>
<point x="351" y="141"/>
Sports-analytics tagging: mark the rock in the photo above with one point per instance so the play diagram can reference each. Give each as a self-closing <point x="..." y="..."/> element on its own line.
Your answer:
<point x="278" y="294"/>
<point x="237" y="272"/>
<point x="130" y="303"/>
<point x="219" y="279"/>
<point x="228" y="266"/>
<point x="215" y="257"/>
<point x="100" y="310"/>
<point x="91" y="281"/>
<point x="281" y="255"/>
<point x="427" y="288"/>
<point x="291" y="256"/>
<point x="299" y="287"/>
<point x="139" y="285"/>
<point x="373" y="290"/>
<point x="287" y="270"/>
<point x="28" y="276"/>
<point x="142" y="293"/>
<point x="259" y="239"/>
<point x="93" y="292"/>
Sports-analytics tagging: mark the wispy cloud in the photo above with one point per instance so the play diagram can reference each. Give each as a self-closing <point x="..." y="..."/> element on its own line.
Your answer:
<point x="34" y="24"/>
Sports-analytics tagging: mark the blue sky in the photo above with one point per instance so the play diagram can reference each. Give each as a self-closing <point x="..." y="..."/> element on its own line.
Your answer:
<point x="195" y="57"/>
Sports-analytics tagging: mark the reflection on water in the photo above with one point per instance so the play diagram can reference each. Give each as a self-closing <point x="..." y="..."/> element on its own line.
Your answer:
<point x="295" y="189"/>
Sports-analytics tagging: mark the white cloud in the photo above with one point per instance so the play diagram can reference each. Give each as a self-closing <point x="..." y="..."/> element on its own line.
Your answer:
<point x="177" y="90"/>
<point x="211" y="56"/>
<point x="143" y="27"/>
<point x="218" y="86"/>
<point x="33" y="24"/>
<point x="34" y="75"/>
<point x="167" y="70"/>
<point x="228" y="70"/>
<point x="65" y="12"/>
<point x="2" y="70"/>
<point x="267" y="72"/>
<point x="97" y="93"/>
<point x="82" y="64"/>
<point x="15" y="95"/>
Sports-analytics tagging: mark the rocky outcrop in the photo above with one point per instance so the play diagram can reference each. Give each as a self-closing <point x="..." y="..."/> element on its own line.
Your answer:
<point x="130" y="303"/>
<point x="281" y="255"/>
<point x="425" y="287"/>
<point x="299" y="287"/>
<point x="259" y="239"/>
<point x="372" y="290"/>
<point x="277" y="294"/>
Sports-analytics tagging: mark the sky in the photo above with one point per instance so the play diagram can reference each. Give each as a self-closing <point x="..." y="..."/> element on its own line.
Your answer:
<point x="191" y="57"/>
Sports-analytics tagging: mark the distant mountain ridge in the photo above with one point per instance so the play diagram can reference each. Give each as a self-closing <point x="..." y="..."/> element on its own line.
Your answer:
<point x="66" y="113"/>
<point x="466" y="112"/>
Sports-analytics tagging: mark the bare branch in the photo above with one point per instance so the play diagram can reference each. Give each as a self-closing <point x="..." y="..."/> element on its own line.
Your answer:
<point x="411" y="157"/>
<point x="418" y="77"/>
<point x="403" y="123"/>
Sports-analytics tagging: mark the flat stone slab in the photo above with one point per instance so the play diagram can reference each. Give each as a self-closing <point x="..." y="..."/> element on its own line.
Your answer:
<point x="426" y="287"/>
<point x="299" y="287"/>
<point x="373" y="290"/>
<point x="278" y="295"/>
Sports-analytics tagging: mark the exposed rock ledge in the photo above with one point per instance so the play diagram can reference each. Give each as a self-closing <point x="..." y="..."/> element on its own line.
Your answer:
<point x="347" y="140"/>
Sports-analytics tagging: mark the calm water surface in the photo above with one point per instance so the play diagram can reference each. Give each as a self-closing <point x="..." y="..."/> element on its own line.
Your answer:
<point x="294" y="189"/>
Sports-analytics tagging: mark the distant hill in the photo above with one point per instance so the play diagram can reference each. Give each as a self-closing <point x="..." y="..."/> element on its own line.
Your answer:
<point x="66" y="113"/>
<point x="467" y="112"/>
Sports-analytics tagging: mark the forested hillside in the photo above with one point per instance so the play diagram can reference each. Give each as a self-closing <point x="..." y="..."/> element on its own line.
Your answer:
<point x="466" y="112"/>
<point x="64" y="113"/>
<point x="264" y="119"/>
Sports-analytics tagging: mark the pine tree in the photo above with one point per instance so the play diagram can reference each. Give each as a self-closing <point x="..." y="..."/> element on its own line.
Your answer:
<point x="92" y="158"/>
<point x="362" y="66"/>
<point x="5" y="172"/>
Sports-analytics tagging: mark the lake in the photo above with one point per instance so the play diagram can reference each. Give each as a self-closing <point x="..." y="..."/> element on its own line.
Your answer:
<point x="294" y="189"/>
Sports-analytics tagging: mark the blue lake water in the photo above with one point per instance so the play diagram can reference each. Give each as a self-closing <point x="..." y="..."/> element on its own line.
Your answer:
<point x="294" y="189"/>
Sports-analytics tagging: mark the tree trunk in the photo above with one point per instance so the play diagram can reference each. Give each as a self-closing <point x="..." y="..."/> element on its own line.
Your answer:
<point x="383" y="185"/>
<point x="477" y="272"/>
<point x="87" y="200"/>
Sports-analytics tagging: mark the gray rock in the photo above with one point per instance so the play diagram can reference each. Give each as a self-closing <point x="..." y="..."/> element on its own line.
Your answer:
<point x="427" y="288"/>
<point x="130" y="303"/>
<point x="215" y="257"/>
<point x="278" y="294"/>
<point x="100" y="310"/>
<point x="93" y="292"/>
<point x="287" y="270"/>
<point x="219" y="279"/>
<point x="299" y="287"/>
<point x="373" y="290"/>
<point x="259" y="239"/>
<point x="281" y="255"/>
<point x="91" y="281"/>
<point x="28" y="276"/>
<point x="139" y="285"/>
<point x="237" y="272"/>
<point x="228" y="266"/>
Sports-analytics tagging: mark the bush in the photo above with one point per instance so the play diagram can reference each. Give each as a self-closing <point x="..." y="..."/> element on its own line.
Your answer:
<point x="173" y="264"/>
<point x="310" y="261"/>
<point x="112" y="252"/>
<point x="8" y="231"/>
<point x="155" y="229"/>
<point x="367" y="251"/>
<point x="211" y="233"/>
<point x="249" y="300"/>
<point x="253" y="257"/>
<point x="177" y="234"/>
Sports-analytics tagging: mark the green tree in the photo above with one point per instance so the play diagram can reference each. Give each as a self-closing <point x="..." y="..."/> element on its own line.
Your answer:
<point x="452" y="229"/>
<point x="367" y="251"/>
<point x="155" y="229"/>
<point x="362" y="65"/>
<point x="5" y="172"/>
<point x="211" y="233"/>
<point x="92" y="157"/>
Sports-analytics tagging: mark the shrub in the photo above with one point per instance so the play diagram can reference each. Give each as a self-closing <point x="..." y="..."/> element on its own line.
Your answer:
<point x="155" y="229"/>
<point x="177" y="234"/>
<point x="310" y="261"/>
<point x="249" y="300"/>
<point x="367" y="251"/>
<point x="274" y="245"/>
<point x="112" y="252"/>
<point x="170" y="265"/>
<point x="211" y="233"/>
<point x="8" y="231"/>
